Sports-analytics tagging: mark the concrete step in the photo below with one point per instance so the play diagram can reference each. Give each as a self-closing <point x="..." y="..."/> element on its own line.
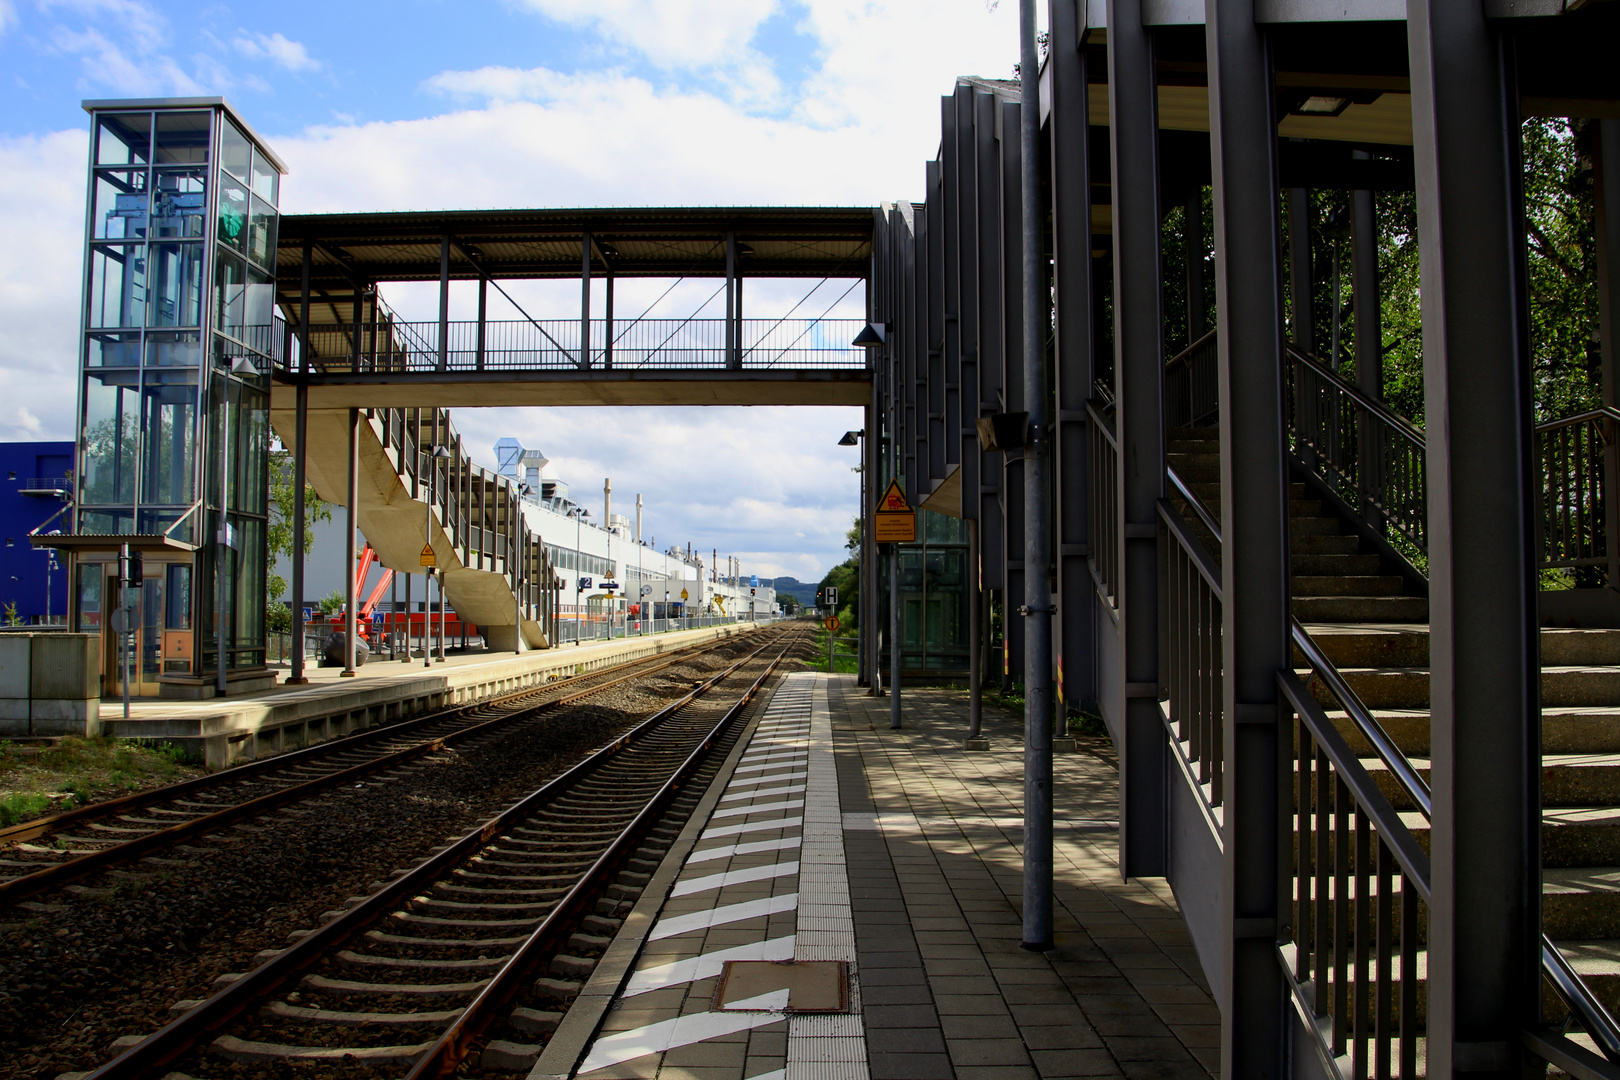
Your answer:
<point x="1362" y="609"/>
<point x="1581" y="903"/>
<point x="1323" y="544"/>
<point x="1563" y="731"/>
<point x="1347" y="585"/>
<point x="1314" y="526"/>
<point x="1598" y="964"/>
<point x="1567" y="780"/>
<point x="1195" y="467"/>
<point x="1382" y="645"/>
<point x="1408" y="687"/>
<point x="1336" y="565"/>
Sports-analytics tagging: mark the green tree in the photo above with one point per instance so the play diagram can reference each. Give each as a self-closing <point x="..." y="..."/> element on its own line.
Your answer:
<point x="279" y="534"/>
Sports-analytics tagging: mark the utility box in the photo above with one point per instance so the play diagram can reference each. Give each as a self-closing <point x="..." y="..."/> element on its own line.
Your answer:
<point x="50" y="684"/>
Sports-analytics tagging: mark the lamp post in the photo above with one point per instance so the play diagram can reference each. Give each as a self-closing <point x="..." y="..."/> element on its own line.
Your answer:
<point x="579" y="514"/>
<point x="440" y="453"/>
<point x="874" y="338"/>
<point x="517" y="582"/>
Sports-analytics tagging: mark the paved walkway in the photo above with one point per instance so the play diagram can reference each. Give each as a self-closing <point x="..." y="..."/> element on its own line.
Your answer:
<point x="933" y="835"/>
<point x="836" y="839"/>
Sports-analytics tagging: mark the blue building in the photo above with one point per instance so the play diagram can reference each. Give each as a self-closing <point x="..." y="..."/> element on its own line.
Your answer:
<point x="38" y="479"/>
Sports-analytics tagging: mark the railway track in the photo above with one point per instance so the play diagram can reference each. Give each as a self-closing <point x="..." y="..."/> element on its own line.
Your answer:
<point x="490" y="936"/>
<point x="47" y="853"/>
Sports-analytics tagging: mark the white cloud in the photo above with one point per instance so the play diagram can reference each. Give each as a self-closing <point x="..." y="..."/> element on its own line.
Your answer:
<point x="8" y="15"/>
<point x="276" y="48"/>
<point x="670" y="33"/>
<point x="42" y="181"/>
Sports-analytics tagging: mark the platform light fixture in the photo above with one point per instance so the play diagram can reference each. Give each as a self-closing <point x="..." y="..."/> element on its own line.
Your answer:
<point x="852" y="438"/>
<point x="871" y="336"/>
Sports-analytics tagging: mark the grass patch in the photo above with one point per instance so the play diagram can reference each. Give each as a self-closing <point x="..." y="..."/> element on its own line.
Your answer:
<point x="78" y="771"/>
<point x="846" y="661"/>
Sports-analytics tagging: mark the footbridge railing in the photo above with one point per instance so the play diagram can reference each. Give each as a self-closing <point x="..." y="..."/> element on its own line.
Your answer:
<point x="510" y="345"/>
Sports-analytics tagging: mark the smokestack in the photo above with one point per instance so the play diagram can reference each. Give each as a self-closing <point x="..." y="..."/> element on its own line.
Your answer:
<point x="607" y="502"/>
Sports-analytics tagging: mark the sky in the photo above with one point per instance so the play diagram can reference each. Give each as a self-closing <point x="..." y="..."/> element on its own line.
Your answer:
<point x="433" y="104"/>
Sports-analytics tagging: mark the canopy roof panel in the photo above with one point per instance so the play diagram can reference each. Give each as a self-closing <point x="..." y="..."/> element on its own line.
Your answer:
<point x="346" y="249"/>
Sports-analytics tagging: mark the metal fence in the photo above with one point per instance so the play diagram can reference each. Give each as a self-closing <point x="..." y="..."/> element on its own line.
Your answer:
<point x="1103" y="491"/>
<point x="554" y="345"/>
<point x="1193" y="659"/>
<point x="1371" y="457"/>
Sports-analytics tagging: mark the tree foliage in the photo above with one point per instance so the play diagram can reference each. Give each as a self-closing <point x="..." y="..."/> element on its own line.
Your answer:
<point x="279" y="533"/>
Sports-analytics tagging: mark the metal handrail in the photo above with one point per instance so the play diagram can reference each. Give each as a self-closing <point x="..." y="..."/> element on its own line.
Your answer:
<point x="1372" y="405"/>
<point x="1571" y="989"/>
<point x="1192" y="500"/>
<point x="1185" y="355"/>
<point x="1607" y="411"/>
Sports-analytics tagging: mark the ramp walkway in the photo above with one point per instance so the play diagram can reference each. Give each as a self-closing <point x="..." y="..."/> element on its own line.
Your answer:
<point x="829" y="837"/>
<point x="410" y="495"/>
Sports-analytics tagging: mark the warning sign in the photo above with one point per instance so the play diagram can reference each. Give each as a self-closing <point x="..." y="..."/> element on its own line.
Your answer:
<point x="427" y="555"/>
<point x="683" y="594"/>
<point x="894" y="522"/>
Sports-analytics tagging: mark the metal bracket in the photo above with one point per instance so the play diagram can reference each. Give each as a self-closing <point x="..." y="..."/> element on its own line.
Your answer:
<point x="1025" y="609"/>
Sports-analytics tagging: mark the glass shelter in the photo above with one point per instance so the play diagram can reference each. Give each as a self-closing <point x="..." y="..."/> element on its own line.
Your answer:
<point x="179" y="333"/>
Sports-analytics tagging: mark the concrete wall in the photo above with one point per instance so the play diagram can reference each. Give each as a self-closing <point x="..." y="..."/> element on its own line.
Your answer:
<point x="50" y="684"/>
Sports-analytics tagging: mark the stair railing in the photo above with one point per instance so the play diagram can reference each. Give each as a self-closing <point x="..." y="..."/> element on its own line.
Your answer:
<point x="1192" y="384"/>
<point x="1370" y="455"/>
<point x="1103" y="492"/>
<point x="1572" y="455"/>
<point x="1351" y="954"/>
<point x="1193" y="664"/>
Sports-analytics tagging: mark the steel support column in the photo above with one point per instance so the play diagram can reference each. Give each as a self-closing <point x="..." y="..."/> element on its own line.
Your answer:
<point x="300" y="456"/>
<point x="351" y="590"/>
<point x="444" y="302"/>
<point x="731" y="300"/>
<point x="958" y="112"/>
<point x="1254" y="534"/>
<point x="483" y="309"/>
<point x="940" y="322"/>
<point x="585" y="305"/>
<point x="1302" y="327"/>
<point x="1606" y="199"/>
<point x="1192" y="262"/>
<point x="1139" y="419"/>
<point x="1485" y="716"/>
<point x="1369" y="328"/>
<point x="1067" y="137"/>
<point x="1008" y="566"/>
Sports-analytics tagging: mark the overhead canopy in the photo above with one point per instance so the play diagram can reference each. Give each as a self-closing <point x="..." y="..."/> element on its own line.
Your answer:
<point x="356" y="249"/>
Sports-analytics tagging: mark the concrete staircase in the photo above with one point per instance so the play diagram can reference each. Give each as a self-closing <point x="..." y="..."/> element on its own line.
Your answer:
<point x="1377" y="634"/>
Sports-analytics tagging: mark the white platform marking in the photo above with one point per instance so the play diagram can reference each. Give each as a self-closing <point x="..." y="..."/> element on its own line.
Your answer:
<point x="684" y="1030"/>
<point x="752" y="826"/>
<point x="734" y="877"/>
<point x="730" y="913"/>
<point x="706" y="966"/>
<point x="786" y="843"/>
<point x="741" y="811"/>
<point x="789" y="789"/>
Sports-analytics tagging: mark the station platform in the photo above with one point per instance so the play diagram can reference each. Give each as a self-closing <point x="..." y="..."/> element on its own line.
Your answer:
<point x="886" y="866"/>
<point x="224" y="730"/>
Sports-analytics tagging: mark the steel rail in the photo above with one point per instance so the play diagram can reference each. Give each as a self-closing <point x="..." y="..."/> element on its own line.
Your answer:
<point x="458" y="1040"/>
<point x="160" y="1048"/>
<point x="56" y="874"/>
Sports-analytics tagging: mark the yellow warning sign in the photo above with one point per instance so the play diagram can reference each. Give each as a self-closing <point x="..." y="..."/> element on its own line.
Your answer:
<point x="427" y="555"/>
<point x="894" y="522"/>
<point x="683" y="594"/>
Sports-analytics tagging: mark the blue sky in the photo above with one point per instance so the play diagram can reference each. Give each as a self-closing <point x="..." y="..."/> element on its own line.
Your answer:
<point x="429" y="104"/>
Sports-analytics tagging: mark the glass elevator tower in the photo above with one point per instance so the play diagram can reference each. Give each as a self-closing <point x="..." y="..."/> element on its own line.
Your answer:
<point x="178" y="334"/>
